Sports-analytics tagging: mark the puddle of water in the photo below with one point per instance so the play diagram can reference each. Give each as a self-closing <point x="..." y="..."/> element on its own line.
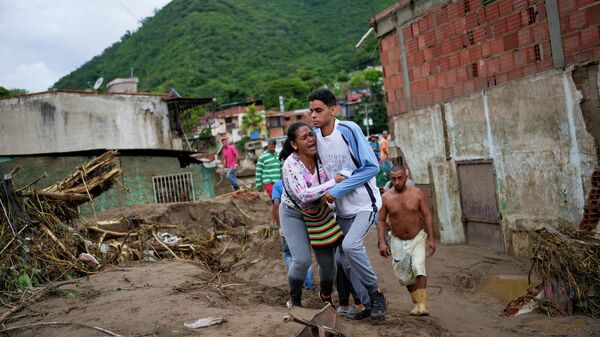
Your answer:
<point x="506" y="287"/>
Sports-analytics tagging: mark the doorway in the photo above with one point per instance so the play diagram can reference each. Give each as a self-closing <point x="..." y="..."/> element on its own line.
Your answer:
<point x="479" y="202"/>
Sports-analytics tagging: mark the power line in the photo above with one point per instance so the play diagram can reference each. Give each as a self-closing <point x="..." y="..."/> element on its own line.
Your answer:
<point x="130" y="12"/>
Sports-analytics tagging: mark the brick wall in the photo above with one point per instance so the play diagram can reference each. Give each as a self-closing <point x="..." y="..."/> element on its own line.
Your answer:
<point x="580" y="28"/>
<point x="462" y="47"/>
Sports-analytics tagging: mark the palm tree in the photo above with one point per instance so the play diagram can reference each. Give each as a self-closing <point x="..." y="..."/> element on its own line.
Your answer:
<point x="253" y="120"/>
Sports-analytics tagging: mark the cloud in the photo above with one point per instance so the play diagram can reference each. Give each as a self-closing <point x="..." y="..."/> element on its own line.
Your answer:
<point x="55" y="37"/>
<point x="33" y="77"/>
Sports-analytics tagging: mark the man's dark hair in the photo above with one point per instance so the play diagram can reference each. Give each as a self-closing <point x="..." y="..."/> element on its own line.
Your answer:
<point x="323" y="95"/>
<point x="397" y="167"/>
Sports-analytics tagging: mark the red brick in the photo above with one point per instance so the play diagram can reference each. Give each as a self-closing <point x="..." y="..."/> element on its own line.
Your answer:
<point x="541" y="12"/>
<point x="469" y="87"/>
<point x="479" y="35"/>
<point x="520" y="58"/>
<point x="480" y="83"/>
<point x="428" y="54"/>
<point x="491" y="12"/>
<point x="515" y="74"/>
<point x="577" y="20"/>
<point x="571" y="43"/>
<point x="441" y="80"/>
<point x="447" y="94"/>
<point x="462" y="74"/>
<point x="415" y="29"/>
<point x="426" y="69"/>
<point x="460" y="25"/>
<point x="564" y="22"/>
<point x="511" y="41"/>
<point x="544" y="65"/>
<point x="501" y="78"/>
<point x="497" y="46"/>
<point x="584" y="3"/>
<point x="475" y="53"/>
<point x="458" y="90"/>
<point x="471" y="20"/>
<point x="513" y="23"/>
<point x="454" y="61"/>
<point x="475" y="4"/>
<point x="454" y="10"/>
<point x="583" y="56"/>
<point x="505" y="7"/>
<point x="414" y="73"/>
<point x="418" y="86"/>
<point x="437" y="95"/>
<point x="443" y="64"/>
<point x="486" y="49"/>
<point x="540" y="33"/>
<point x="593" y="14"/>
<point x="590" y="37"/>
<point x="506" y="62"/>
<point x="525" y="36"/>
<point x="517" y="4"/>
<point x="529" y="69"/>
<point x="441" y="16"/>
<point x="407" y="31"/>
<point x="451" y="77"/>
<point x="465" y="58"/>
<point x="499" y="28"/>
<point x="432" y="82"/>
<point x="566" y="6"/>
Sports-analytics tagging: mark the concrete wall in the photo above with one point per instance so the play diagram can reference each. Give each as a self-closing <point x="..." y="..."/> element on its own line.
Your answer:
<point x="62" y="122"/>
<point x="533" y="130"/>
<point x="137" y="177"/>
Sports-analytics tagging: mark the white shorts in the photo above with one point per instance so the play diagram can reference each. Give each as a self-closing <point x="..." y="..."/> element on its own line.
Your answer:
<point x="409" y="258"/>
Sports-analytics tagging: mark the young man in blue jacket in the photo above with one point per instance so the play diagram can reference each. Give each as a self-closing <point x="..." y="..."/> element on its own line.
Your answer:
<point x="342" y="145"/>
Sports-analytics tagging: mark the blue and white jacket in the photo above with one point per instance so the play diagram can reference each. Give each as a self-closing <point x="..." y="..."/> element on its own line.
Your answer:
<point x="347" y="147"/>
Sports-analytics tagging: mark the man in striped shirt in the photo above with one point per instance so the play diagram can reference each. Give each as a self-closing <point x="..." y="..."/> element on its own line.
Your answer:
<point x="268" y="168"/>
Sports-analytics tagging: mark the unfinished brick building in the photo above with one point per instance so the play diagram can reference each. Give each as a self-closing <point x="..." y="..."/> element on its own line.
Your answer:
<point x="495" y="106"/>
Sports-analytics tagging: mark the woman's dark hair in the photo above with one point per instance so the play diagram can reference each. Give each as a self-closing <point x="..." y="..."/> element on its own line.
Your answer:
<point x="291" y="137"/>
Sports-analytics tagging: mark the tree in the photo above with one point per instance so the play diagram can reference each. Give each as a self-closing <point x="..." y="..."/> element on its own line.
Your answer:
<point x="253" y="120"/>
<point x="373" y="79"/>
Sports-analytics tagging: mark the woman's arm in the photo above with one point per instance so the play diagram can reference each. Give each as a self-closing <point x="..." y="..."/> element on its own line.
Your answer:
<point x="293" y="179"/>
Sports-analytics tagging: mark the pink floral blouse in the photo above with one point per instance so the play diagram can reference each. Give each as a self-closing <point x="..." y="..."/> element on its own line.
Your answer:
<point x="302" y="185"/>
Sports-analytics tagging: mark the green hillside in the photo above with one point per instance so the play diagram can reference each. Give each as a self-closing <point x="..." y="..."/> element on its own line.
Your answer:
<point x="232" y="49"/>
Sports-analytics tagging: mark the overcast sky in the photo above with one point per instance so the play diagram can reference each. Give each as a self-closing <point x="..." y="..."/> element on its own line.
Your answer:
<point x="43" y="40"/>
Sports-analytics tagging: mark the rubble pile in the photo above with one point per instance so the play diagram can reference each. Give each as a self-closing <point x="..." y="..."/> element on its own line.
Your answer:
<point x="568" y="261"/>
<point x="41" y="249"/>
<point x="37" y="244"/>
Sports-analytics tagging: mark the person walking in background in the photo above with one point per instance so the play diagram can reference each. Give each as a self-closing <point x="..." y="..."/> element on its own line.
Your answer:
<point x="404" y="206"/>
<point x="383" y="146"/>
<point x="230" y="157"/>
<point x="268" y="168"/>
<point x="373" y="141"/>
<point x="342" y="146"/>
<point x="287" y="255"/>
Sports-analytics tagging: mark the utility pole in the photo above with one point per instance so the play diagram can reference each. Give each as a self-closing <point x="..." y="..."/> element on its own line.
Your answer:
<point x="367" y="119"/>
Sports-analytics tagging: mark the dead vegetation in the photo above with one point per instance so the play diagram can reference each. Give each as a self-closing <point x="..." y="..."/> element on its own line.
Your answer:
<point x="40" y="249"/>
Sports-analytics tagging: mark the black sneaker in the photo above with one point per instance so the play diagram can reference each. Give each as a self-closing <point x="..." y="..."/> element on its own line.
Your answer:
<point x="326" y="299"/>
<point x="356" y="315"/>
<point x="378" y="305"/>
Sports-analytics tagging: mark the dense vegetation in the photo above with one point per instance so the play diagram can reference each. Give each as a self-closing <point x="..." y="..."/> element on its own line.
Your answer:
<point x="233" y="49"/>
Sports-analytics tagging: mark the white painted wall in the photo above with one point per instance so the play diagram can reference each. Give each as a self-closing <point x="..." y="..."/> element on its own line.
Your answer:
<point x="534" y="132"/>
<point x="64" y="122"/>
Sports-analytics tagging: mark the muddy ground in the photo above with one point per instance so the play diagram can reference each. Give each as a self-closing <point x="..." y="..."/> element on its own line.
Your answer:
<point x="156" y="298"/>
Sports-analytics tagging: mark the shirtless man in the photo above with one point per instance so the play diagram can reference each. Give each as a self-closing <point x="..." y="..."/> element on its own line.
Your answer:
<point x="405" y="205"/>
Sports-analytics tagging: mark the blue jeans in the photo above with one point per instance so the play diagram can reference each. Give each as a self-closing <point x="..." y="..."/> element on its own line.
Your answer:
<point x="353" y="254"/>
<point x="287" y="256"/>
<point x="232" y="179"/>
